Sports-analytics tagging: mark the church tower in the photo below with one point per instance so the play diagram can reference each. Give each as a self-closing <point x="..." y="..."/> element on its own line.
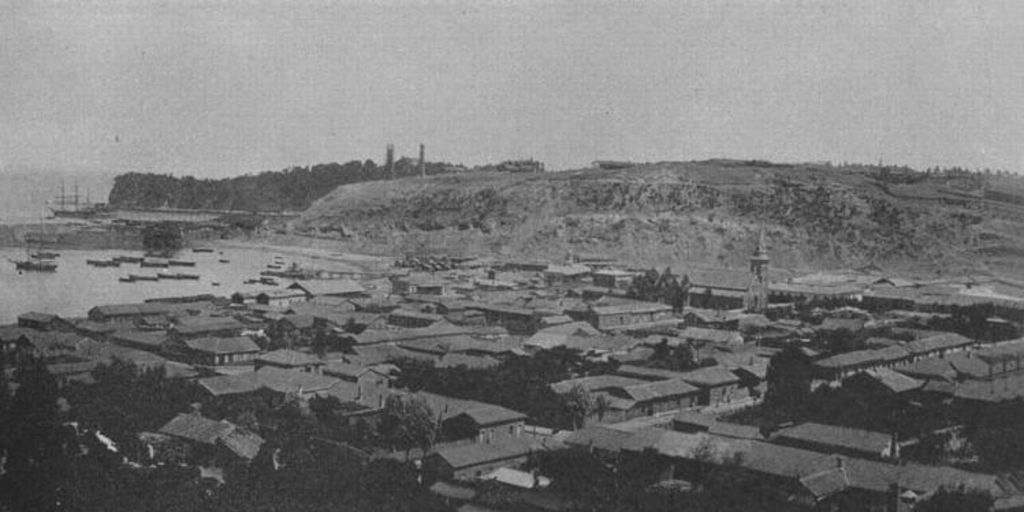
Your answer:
<point x="757" y="292"/>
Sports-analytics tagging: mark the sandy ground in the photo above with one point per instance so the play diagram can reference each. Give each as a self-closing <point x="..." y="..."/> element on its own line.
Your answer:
<point x="324" y="257"/>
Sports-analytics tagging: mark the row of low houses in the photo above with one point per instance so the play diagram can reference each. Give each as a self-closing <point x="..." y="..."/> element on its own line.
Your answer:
<point x="813" y="464"/>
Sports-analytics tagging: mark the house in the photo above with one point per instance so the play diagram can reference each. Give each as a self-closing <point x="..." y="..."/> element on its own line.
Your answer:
<point x="150" y="341"/>
<point x="515" y="319"/>
<point x="718" y="288"/>
<point x="703" y="335"/>
<point x="44" y="322"/>
<point x="411" y="318"/>
<point x="289" y="360"/>
<point x="210" y="439"/>
<point x="280" y="298"/>
<point x="565" y="274"/>
<point x="626" y="398"/>
<point x="211" y="351"/>
<point x="375" y="375"/>
<point x="206" y="326"/>
<point x="626" y="314"/>
<point x="485" y="423"/>
<point x="419" y="284"/>
<point x="831" y="439"/>
<point x="712" y="318"/>
<point x="598" y="439"/>
<point x="478" y="459"/>
<point x="613" y="279"/>
<point x="270" y="379"/>
<point x="329" y="287"/>
<point x="94" y="330"/>
<point x="717" y="385"/>
<point x="938" y="345"/>
<point x="128" y="314"/>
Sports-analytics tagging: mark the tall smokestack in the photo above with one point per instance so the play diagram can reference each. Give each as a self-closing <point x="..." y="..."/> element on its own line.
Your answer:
<point x="423" y="161"/>
<point x="389" y="160"/>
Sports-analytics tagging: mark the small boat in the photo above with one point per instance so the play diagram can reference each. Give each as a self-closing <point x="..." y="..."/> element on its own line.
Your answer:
<point x="252" y="281"/>
<point x="127" y="279"/>
<point x="188" y="276"/>
<point x="275" y="267"/>
<point x="222" y="260"/>
<point x="103" y="263"/>
<point x="269" y="281"/>
<point x="166" y="275"/>
<point x="35" y="265"/>
<point x="128" y="259"/>
<point x="202" y="249"/>
<point x="45" y="255"/>
<point x="137" y="277"/>
<point x="154" y="263"/>
<point x="181" y="263"/>
<point x="215" y="283"/>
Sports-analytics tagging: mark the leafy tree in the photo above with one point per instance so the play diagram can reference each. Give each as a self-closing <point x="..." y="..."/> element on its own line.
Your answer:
<point x="408" y="423"/>
<point x="579" y="403"/>
<point x="957" y="499"/>
<point x="789" y="380"/>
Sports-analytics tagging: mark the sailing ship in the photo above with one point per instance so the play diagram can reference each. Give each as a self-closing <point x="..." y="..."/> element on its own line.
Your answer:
<point x="72" y="206"/>
<point x="37" y="260"/>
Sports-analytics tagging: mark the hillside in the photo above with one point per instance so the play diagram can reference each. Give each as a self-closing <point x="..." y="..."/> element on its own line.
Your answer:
<point x="292" y="189"/>
<point x="695" y="214"/>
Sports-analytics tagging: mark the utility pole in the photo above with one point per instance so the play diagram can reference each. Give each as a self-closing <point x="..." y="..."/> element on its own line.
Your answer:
<point x="423" y="162"/>
<point x="390" y="161"/>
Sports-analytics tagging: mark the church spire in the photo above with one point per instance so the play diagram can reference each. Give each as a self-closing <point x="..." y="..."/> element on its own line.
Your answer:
<point x="757" y="292"/>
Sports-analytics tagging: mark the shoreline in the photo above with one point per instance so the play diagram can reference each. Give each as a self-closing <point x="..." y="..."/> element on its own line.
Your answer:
<point x="356" y="263"/>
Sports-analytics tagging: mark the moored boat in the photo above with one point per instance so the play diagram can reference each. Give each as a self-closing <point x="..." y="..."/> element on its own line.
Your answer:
<point x="35" y="265"/>
<point x="137" y="277"/>
<point x="201" y="249"/>
<point x="181" y="263"/>
<point x="128" y="259"/>
<point x="154" y="263"/>
<point x="103" y="263"/>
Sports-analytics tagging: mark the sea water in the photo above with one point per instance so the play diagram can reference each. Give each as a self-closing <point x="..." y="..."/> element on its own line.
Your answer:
<point x="76" y="286"/>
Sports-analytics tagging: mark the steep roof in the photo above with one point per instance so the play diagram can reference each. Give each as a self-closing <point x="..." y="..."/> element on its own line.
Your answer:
<point x="942" y="341"/>
<point x="488" y="415"/>
<point x="631" y="307"/>
<point x="287" y="357"/>
<point x="864" y="441"/>
<point x="203" y="324"/>
<point x="233" y="345"/>
<point x="601" y="438"/>
<point x="467" y="456"/>
<point x="152" y="339"/>
<point x="710" y="376"/>
<point x="196" y="428"/>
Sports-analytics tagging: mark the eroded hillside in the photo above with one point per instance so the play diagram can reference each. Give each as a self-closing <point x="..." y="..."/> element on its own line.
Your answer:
<point x="694" y="213"/>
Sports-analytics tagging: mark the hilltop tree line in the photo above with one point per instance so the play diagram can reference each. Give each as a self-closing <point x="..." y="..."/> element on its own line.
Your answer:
<point x="293" y="189"/>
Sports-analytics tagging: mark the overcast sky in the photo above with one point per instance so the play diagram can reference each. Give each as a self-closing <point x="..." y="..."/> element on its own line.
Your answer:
<point x="217" y="89"/>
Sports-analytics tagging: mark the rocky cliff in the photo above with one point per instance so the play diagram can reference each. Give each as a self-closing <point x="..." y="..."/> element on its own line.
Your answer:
<point x="695" y="214"/>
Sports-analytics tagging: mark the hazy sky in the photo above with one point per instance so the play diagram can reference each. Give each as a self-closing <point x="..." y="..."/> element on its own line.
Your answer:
<point x="215" y="89"/>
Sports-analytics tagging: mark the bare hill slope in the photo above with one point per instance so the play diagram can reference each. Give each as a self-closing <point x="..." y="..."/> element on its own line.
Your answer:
<point x="693" y="214"/>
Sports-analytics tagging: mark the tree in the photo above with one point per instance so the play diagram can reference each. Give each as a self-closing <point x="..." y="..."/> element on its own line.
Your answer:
<point x="579" y="403"/>
<point x="789" y="380"/>
<point x="408" y="423"/>
<point x="957" y="499"/>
